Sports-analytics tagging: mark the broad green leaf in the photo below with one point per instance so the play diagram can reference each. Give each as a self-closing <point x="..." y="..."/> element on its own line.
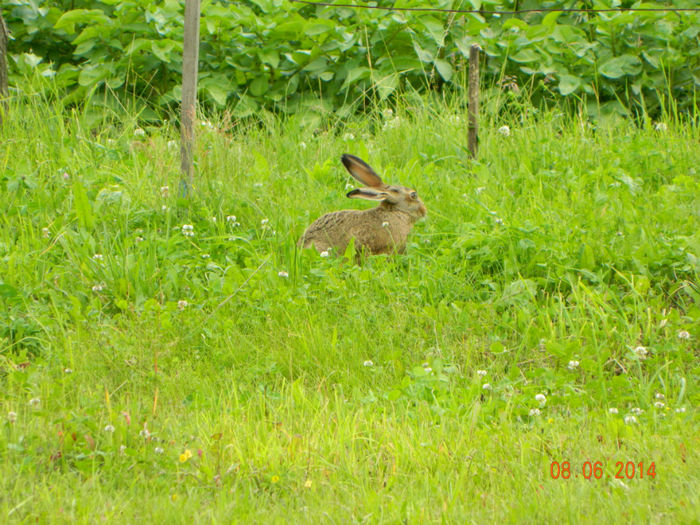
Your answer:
<point x="525" y="55"/>
<point x="551" y="18"/>
<point x="313" y="30"/>
<point x="270" y="57"/>
<point x="356" y="74"/>
<point x="259" y="86"/>
<point x="218" y="93"/>
<point x="617" y="67"/>
<point x="435" y="29"/>
<point x="316" y="66"/>
<point x="424" y="55"/>
<point x="68" y="20"/>
<point x="444" y="68"/>
<point x="162" y="49"/>
<point x="93" y="74"/>
<point x="387" y="85"/>
<point x="568" y="84"/>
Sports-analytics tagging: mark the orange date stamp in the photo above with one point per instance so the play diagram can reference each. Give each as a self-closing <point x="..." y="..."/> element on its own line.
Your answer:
<point x="596" y="470"/>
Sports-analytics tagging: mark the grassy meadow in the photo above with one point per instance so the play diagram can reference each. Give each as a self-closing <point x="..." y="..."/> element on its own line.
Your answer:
<point x="172" y="360"/>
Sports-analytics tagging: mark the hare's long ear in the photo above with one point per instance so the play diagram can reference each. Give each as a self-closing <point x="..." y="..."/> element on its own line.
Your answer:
<point x="372" y="194"/>
<point x="361" y="171"/>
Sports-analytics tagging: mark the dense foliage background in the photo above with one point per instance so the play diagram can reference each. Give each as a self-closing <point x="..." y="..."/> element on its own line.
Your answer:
<point x="280" y="55"/>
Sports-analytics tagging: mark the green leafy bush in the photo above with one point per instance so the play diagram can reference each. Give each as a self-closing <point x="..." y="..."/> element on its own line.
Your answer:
<point x="282" y="56"/>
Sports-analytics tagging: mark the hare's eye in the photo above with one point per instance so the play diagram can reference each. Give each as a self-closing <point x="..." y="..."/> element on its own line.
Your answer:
<point x="414" y="195"/>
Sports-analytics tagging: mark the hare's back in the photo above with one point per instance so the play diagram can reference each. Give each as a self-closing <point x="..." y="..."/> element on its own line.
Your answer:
<point x="332" y="230"/>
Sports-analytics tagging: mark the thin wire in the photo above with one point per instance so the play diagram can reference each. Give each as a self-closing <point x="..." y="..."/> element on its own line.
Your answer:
<point x="519" y="11"/>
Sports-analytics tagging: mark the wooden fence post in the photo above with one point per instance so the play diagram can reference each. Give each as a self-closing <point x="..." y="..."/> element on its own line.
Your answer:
<point x="473" y="102"/>
<point x="190" y="59"/>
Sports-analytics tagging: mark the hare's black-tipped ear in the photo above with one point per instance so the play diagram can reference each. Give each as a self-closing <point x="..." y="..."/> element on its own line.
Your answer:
<point x="361" y="171"/>
<point x="372" y="195"/>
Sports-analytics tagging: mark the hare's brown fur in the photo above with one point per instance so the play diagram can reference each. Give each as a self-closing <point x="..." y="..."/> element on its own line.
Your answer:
<point x="383" y="229"/>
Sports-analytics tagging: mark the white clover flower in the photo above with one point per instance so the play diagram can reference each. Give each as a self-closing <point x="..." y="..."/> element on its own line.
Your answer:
<point x="629" y="420"/>
<point x="12" y="416"/>
<point x="498" y="220"/>
<point x="660" y="126"/>
<point x="637" y="410"/>
<point x="348" y="137"/>
<point x="164" y="191"/>
<point x="504" y="130"/>
<point x="368" y="363"/>
<point x="302" y="145"/>
<point x="138" y="240"/>
<point x="172" y="145"/>
<point x="182" y="304"/>
<point x="486" y="386"/>
<point x="206" y="124"/>
<point x="98" y="257"/>
<point x="283" y="274"/>
<point x="535" y="412"/>
<point x="109" y="428"/>
<point x="388" y="113"/>
<point x="45" y="233"/>
<point x="641" y="352"/>
<point x="428" y="369"/>
<point x="659" y="404"/>
<point x="158" y="450"/>
<point x="34" y="402"/>
<point x="97" y="287"/>
<point x="163" y="208"/>
<point x="230" y="218"/>
<point x="324" y="253"/>
<point x="144" y="433"/>
<point x="385" y="224"/>
<point x="659" y="395"/>
<point x="213" y="219"/>
<point x="138" y="132"/>
<point x="683" y="334"/>
<point x="541" y="398"/>
<point x="205" y="256"/>
<point x="573" y="364"/>
<point x="481" y="373"/>
<point x="264" y="222"/>
<point x="393" y="123"/>
<point x="67" y="370"/>
<point x="680" y="410"/>
<point x="122" y="449"/>
<point x="188" y="230"/>
<point x="613" y="410"/>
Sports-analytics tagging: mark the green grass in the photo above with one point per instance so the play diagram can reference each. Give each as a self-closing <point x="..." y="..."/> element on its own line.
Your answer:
<point x="344" y="393"/>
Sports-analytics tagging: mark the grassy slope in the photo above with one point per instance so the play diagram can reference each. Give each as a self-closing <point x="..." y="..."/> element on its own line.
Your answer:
<point x="563" y="243"/>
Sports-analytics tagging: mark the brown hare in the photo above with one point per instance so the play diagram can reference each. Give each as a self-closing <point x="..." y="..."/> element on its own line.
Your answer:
<point x="382" y="229"/>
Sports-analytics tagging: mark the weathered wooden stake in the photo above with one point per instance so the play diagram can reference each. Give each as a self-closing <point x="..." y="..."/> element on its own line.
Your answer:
<point x="190" y="59"/>
<point x="473" y="102"/>
<point x="4" y="90"/>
